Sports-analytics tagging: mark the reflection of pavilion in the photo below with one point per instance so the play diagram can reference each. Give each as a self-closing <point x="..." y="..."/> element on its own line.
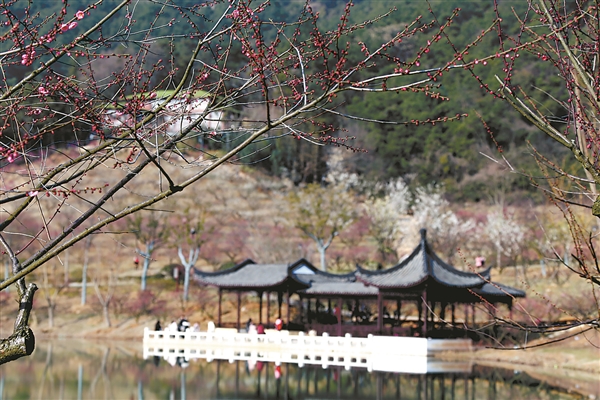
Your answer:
<point x="422" y="281"/>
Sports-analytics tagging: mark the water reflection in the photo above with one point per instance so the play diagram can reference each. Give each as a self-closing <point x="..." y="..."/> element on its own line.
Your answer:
<point x="88" y="370"/>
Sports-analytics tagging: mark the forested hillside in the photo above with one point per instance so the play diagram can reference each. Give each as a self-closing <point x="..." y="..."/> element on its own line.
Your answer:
<point x="415" y="136"/>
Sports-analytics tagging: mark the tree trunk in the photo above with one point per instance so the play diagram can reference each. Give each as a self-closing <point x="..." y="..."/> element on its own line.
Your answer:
<point x="187" y="265"/>
<point x="147" y="255"/>
<point x="186" y="281"/>
<point x="322" y="258"/>
<point x="22" y="342"/>
<point x="498" y="258"/>
<point x="84" y="284"/>
<point x="145" y="270"/>
<point x="51" y="306"/>
<point x="106" y="314"/>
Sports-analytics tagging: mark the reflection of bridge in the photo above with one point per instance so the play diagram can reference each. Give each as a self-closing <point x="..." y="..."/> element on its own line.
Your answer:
<point x="374" y="353"/>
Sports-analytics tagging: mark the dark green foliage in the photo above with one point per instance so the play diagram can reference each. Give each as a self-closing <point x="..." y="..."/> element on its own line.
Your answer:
<point x="445" y="152"/>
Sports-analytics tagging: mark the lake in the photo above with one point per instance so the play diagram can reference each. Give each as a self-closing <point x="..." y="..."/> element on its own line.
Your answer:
<point x="78" y="369"/>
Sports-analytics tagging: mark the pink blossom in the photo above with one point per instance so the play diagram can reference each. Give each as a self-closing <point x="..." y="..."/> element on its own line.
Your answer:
<point x="152" y="95"/>
<point x="43" y="91"/>
<point x="32" y="193"/>
<point x="64" y="27"/>
<point x="73" y="25"/>
<point x="79" y="14"/>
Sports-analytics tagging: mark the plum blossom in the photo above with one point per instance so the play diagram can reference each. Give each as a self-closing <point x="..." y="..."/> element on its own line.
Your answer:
<point x="43" y="91"/>
<point x="79" y="14"/>
<point x="32" y="193"/>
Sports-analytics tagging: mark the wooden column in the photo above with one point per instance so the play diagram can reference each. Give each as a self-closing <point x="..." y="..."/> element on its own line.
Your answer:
<point x="287" y="318"/>
<point x="420" y="312"/>
<point x="453" y="317"/>
<point x="379" y="312"/>
<point x="260" y="296"/>
<point x="219" y="312"/>
<point x="239" y="309"/>
<point x="268" y="308"/>
<point x="339" y="316"/>
<point x="279" y="302"/>
<point x="425" y="312"/>
<point x="308" y="318"/>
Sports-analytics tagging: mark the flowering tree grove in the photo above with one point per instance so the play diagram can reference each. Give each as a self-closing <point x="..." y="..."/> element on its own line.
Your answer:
<point x="386" y="215"/>
<point x="94" y="120"/>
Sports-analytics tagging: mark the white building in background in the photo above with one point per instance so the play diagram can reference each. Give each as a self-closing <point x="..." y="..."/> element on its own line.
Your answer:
<point x="176" y="116"/>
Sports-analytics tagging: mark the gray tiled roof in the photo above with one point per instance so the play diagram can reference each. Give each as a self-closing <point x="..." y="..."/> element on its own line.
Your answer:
<point x="420" y="265"/>
<point x="306" y="273"/>
<point x="498" y="289"/>
<point x="247" y="274"/>
<point x="340" y="289"/>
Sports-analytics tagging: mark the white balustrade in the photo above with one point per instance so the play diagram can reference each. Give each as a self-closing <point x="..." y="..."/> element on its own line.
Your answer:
<point x="383" y="353"/>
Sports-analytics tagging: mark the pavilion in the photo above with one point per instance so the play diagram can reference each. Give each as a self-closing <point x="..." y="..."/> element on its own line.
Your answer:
<point x="421" y="279"/>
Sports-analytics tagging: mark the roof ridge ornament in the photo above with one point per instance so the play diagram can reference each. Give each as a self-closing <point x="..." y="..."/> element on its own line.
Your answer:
<point x="423" y="235"/>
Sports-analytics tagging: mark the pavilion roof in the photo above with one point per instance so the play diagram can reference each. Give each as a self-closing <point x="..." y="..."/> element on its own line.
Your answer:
<point x="422" y="264"/>
<point x="354" y="289"/>
<point x="306" y="273"/>
<point x="247" y="275"/>
<point x="321" y="283"/>
<point x="499" y="290"/>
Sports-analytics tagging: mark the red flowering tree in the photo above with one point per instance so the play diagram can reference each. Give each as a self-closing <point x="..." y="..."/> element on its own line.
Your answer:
<point x="103" y="114"/>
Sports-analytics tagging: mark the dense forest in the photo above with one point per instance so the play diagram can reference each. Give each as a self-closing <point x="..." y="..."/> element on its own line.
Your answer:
<point x="397" y="136"/>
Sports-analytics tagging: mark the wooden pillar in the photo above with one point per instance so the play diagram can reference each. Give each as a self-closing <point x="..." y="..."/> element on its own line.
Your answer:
<point x="308" y="317"/>
<point x="420" y="312"/>
<point x="260" y="297"/>
<point x="379" y="312"/>
<point x="268" y="308"/>
<point x="426" y="313"/>
<point x="338" y="313"/>
<point x="219" y="312"/>
<point x="398" y="311"/>
<point x="287" y="308"/>
<point x="279" y="302"/>
<point x="453" y="316"/>
<point x="239" y="309"/>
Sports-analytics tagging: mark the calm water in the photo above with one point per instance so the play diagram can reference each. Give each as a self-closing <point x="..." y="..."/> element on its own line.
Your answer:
<point x="91" y="370"/>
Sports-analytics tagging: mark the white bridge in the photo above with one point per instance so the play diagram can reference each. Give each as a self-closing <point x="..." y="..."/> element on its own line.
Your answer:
<point x="375" y="353"/>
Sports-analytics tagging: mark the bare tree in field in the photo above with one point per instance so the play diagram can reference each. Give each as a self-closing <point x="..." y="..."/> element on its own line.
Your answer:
<point x="51" y="288"/>
<point x="101" y="117"/>
<point x="189" y="237"/>
<point x="321" y="213"/>
<point x="150" y="231"/>
<point x="105" y="290"/>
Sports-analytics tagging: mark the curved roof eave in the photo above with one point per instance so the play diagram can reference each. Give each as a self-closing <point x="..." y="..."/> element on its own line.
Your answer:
<point x="416" y="271"/>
